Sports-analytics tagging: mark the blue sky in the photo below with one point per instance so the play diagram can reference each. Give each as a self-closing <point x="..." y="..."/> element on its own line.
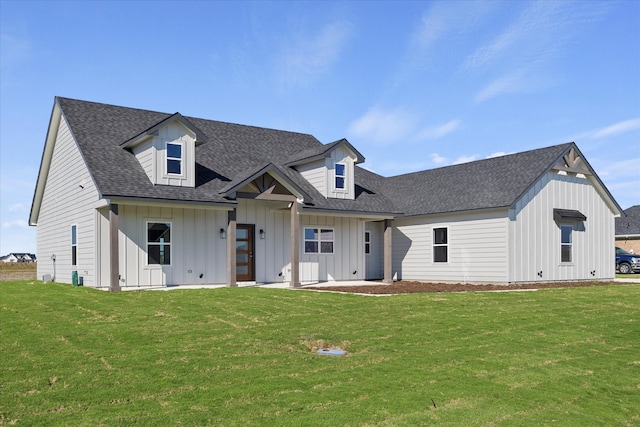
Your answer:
<point x="412" y="85"/>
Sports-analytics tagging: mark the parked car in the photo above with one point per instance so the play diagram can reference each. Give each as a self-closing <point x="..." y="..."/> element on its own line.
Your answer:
<point x="627" y="262"/>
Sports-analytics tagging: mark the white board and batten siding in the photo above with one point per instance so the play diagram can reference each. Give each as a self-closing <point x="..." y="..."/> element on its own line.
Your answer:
<point x="198" y="254"/>
<point x="476" y="246"/>
<point x="347" y="260"/>
<point x="535" y="236"/>
<point x="69" y="198"/>
<point x="272" y="255"/>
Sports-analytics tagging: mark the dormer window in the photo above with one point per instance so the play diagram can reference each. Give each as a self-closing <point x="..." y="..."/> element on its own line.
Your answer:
<point x="174" y="158"/>
<point x="341" y="174"/>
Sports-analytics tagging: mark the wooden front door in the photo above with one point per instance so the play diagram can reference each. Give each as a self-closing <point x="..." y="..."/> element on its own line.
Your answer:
<point x="244" y="253"/>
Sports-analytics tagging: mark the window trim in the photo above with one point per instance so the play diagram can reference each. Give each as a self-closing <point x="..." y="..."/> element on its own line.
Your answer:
<point x="74" y="245"/>
<point x="319" y="240"/>
<point x="568" y="244"/>
<point x="435" y="245"/>
<point x="180" y="159"/>
<point x="367" y="242"/>
<point x="169" y="244"/>
<point x="336" y="176"/>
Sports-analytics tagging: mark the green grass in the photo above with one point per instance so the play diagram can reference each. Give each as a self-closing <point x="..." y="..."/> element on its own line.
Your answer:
<point x="78" y="356"/>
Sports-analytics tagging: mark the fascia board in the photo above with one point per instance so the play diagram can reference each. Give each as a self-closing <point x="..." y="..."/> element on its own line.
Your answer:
<point x="45" y="163"/>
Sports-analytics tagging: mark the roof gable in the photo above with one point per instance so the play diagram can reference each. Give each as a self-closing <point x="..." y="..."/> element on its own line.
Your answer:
<point x="263" y="185"/>
<point x="200" y="138"/>
<point x="324" y="151"/>
<point x="484" y="184"/>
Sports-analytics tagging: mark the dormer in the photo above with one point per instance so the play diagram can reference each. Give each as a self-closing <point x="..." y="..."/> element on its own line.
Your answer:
<point x="330" y="168"/>
<point x="166" y="151"/>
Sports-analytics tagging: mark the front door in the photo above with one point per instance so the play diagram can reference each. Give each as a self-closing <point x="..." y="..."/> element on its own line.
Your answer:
<point x="244" y="253"/>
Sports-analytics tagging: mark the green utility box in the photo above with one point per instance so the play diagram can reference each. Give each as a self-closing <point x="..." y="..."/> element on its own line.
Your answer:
<point x="74" y="277"/>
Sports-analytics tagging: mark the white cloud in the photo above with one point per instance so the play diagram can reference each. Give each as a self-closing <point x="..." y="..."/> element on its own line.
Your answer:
<point x="524" y="50"/>
<point x="437" y="158"/>
<point x="510" y="83"/>
<point x="464" y="159"/>
<point x="18" y="223"/>
<point x="17" y="207"/>
<point x="383" y="126"/>
<point x="15" y="50"/>
<point x="617" y="128"/>
<point x="496" y="154"/>
<point x="440" y="131"/>
<point x="308" y="57"/>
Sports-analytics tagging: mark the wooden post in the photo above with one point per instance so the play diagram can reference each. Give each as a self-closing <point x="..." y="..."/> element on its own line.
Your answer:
<point x="231" y="249"/>
<point x="295" y="246"/>
<point x="388" y="265"/>
<point x="114" y="260"/>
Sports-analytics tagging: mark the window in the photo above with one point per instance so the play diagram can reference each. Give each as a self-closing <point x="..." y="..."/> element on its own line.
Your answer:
<point x="159" y="243"/>
<point x="318" y="240"/>
<point x="367" y="242"/>
<point x="74" y="245"/>
<point x="566" y="242"/>
<point x="341" y="175"/>
<point x="174" y="158"/>
<point x="440" y="245"/>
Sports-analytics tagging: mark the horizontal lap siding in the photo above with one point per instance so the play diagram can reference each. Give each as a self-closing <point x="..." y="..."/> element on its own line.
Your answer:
<point x="477" y="248"/>
<point x="69" y="197"/>
<point x="316" y="174"/>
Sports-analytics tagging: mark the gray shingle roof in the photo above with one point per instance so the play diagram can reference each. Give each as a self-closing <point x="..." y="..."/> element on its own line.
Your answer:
<point x="490" y="183"/>
<point x="230" y="151"/>
<point x="629" y="224"/>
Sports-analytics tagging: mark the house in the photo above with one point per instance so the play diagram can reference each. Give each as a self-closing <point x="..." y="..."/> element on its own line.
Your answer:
<point x="129" y="197"/>
<point x="628" y="230"/>
<point x="18" y="257"/>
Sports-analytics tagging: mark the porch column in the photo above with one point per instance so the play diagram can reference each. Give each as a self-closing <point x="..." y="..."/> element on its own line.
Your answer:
<point x="114" y="260"/>
<point x="231" y="249"/>
<point x="295" y="246"/>
<point x="388" y="266"/>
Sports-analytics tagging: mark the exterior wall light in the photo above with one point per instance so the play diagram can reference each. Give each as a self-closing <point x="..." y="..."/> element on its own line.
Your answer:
<point x="223" y="234"/>
<point x="262" y="234"/>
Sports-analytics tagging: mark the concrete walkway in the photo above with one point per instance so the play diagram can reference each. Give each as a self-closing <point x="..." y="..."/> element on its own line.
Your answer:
<point x="248" y="285"/>
<point x="286" y="285"/>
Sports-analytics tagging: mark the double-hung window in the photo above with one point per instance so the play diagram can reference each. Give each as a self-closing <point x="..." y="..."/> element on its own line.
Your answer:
<point x="159" y="243"/>
<point x="341" y="176"/>
<point x="440" y="245"/>
<point x="74" y="245"/>
<point x="318" y="240"/>
<point x="566" y="243"/>
<point x="174" y="158"/>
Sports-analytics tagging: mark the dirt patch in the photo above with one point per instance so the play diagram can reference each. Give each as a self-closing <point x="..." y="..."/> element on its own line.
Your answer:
<point x="408" y="287"/>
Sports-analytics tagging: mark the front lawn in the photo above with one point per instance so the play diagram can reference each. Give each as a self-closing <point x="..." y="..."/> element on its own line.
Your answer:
<point x="246" y="356"/>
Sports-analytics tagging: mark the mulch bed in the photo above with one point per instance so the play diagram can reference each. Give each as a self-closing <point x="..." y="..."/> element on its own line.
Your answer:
<point x="408" y="287"/>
